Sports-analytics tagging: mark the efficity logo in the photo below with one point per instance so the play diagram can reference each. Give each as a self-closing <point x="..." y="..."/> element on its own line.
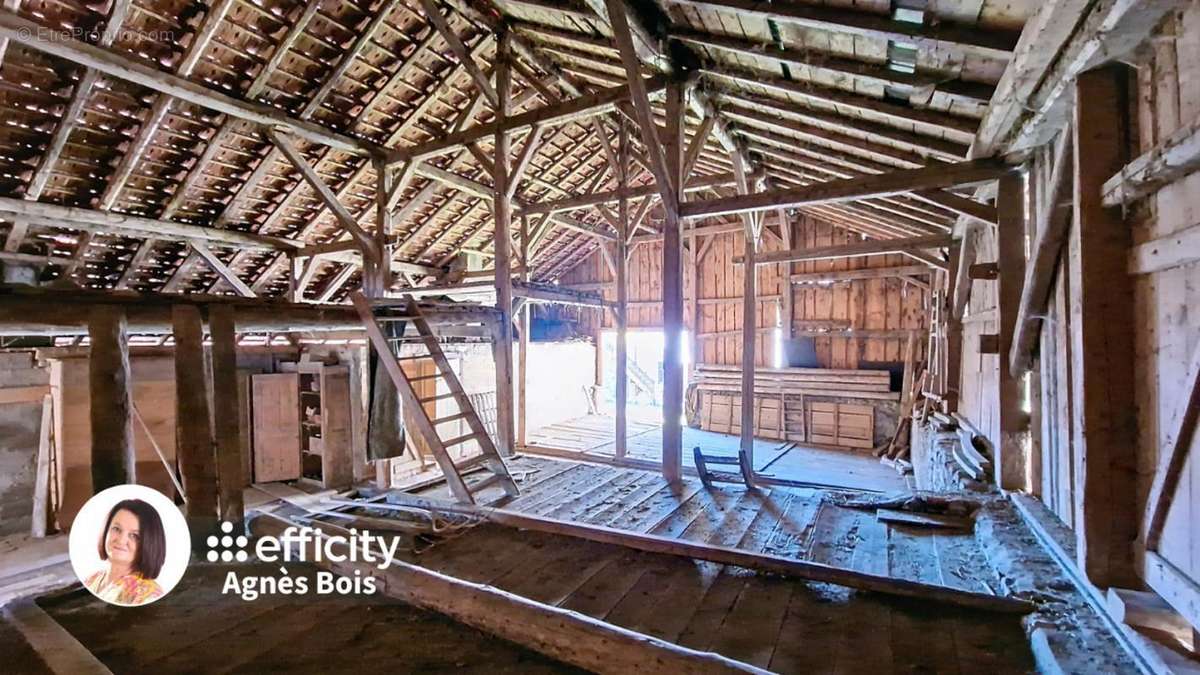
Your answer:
<point x="302" y="545"/>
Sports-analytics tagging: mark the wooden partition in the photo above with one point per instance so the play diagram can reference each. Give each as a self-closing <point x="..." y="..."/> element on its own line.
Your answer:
<point x="878" y="309"/>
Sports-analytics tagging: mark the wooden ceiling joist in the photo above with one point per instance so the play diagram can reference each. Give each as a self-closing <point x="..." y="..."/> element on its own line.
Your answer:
<point x="999" y="43"/>
<point x="879" y="74"/>
<point x="894" y="183"/>
<point x="865" y="248"/>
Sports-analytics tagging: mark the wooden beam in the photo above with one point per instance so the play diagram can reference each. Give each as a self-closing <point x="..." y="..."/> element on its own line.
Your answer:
<point x="1054" y="219"/>
<point x="882" y="185"/>
<point x="223" y="270"/>
<point x="1106" y="32"/>
<point x="569" y="637"/>
<point x="1174" y="158"/>
<point x="1176" y="448"/>
<point x="876" y="74"/>
<point x="231" y="477"/>
<point x="110" y="392"/>
<point x="53" y="215"/>
<point x="725" y="555"/>
<point x="888" y="272"/>
<point x="864" y="248"/>
<point x="430" y="8"/>
<point x="1102" y="347"/>
<point x="672" y="288"/>
<point x="1011" y="463"/>
<point x="948" y="35"/>
<point x="502" y="244"/>
<point x="114" y="64"/>
<point x="344" y="217"/>
<point x="959" y="127"/>
<point x="750" y="237"/>
<point x="193" y="429"/>
<point x="1166" y="252"/>
<point x="621" y="256"/>
<point x="596" y="103"/>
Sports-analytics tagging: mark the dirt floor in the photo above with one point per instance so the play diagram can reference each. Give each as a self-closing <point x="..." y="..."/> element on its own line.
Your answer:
<point x="196" y="629"/>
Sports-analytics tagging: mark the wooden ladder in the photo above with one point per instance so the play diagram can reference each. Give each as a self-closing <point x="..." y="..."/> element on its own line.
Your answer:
<point x="489" y="458"/>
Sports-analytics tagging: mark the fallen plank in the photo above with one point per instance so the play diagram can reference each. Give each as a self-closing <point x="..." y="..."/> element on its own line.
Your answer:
<point x="923" y="519"/>
<point x="762" y="562"/>
<point x="567" y="636"/>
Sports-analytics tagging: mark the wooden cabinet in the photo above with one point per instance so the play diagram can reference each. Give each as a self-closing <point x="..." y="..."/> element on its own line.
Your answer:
<point x="302" y="424"/>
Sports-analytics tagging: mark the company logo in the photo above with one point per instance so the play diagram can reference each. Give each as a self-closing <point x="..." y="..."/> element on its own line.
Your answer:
<point x="302" y="545"/>
<point x="227" y="548"/>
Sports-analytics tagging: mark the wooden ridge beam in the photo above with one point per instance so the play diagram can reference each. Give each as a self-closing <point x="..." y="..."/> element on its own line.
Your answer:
<point x="881" y="185"/>
<point x="26" y="33"/>
<point x="996" y="43"/>
<point x="865" y="248"/>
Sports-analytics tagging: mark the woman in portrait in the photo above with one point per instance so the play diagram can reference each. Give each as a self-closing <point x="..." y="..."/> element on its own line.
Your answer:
<point x="134" y="547"/>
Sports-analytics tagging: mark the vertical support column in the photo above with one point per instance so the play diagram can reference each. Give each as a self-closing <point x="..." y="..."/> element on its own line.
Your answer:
<point x="694" y="262"/>
<point x="111" y="392"/>
<point x="672" y="288"/>
<point x="786" y="290"/>
<point x="231" y="478"/>
<point x="503" y="215"/>
<point x="621" y="257"/>
<point x="193" y="432"/>
<point x="1102" y="349"/>
<point x="377" y="275"/>
<point x="295" y="273"/>
<point x="950" y="347"/>
<point x="749" y="314"/>
<point x="523" y="363"/>
<point x="1010" y="249"/>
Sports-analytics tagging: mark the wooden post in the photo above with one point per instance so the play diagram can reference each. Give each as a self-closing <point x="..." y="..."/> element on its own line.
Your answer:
<point x="377" y="276"/>
<point x="193" y="432"/>
<point x="786" y="290"/>
<point x="111" y="393"/>
<point x="1102" y="349"/>
<point x="523" y="347"/>
<point x="951" y="343"/>
<point x="502" y="208"/>
<point x="231" y="477"/>
<point x="1010" y="466"/>
<point x="672" y="285"/>
<point x="621" y="257"/>
<point x="749" y="315"/>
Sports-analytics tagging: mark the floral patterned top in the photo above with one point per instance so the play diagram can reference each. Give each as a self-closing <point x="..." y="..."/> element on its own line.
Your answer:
<point x="131" y="589"/>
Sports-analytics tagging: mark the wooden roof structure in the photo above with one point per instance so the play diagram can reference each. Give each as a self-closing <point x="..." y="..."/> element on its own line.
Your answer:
<point x="206" y="146"/>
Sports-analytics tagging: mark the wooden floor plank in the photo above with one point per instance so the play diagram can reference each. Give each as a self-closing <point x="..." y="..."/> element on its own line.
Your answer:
<point x="649" y="513"/>
<point x="752" y="628"/>
<point x="600" y="593"/>
<point x="632" y="496"/>
<point x="588" y="500"/>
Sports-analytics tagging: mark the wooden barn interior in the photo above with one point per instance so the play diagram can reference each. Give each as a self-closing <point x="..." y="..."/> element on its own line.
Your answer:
<point x="659" y="336"/>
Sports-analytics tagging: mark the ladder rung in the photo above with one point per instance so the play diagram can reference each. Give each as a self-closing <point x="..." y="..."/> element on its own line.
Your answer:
<point x="487" y="482"/>
<point x="425" y="377"/>
<point x="414" y="358"/>
<point x="461" y="439"/>
<point x="471" y="462"/>
<point x="720" y="460"/>
<point x="439" y="397"/>
<point x="451" y="418"/>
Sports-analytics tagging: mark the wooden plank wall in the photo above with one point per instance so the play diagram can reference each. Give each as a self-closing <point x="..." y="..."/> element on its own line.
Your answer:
<point x="871" y="303"/>
<point x="979" y="389"/>
<point x="1168" y="300"/>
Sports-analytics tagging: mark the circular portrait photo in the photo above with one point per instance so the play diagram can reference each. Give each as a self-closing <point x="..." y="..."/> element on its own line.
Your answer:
<point x="129" y="545"/>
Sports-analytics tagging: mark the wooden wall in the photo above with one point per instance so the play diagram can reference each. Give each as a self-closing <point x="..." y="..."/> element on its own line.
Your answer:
<point x="1167" y="293"/>
<point x="865" y="304"/>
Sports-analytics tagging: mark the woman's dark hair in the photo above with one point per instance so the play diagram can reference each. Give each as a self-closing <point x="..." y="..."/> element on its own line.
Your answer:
<point x="152" y="541"/>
